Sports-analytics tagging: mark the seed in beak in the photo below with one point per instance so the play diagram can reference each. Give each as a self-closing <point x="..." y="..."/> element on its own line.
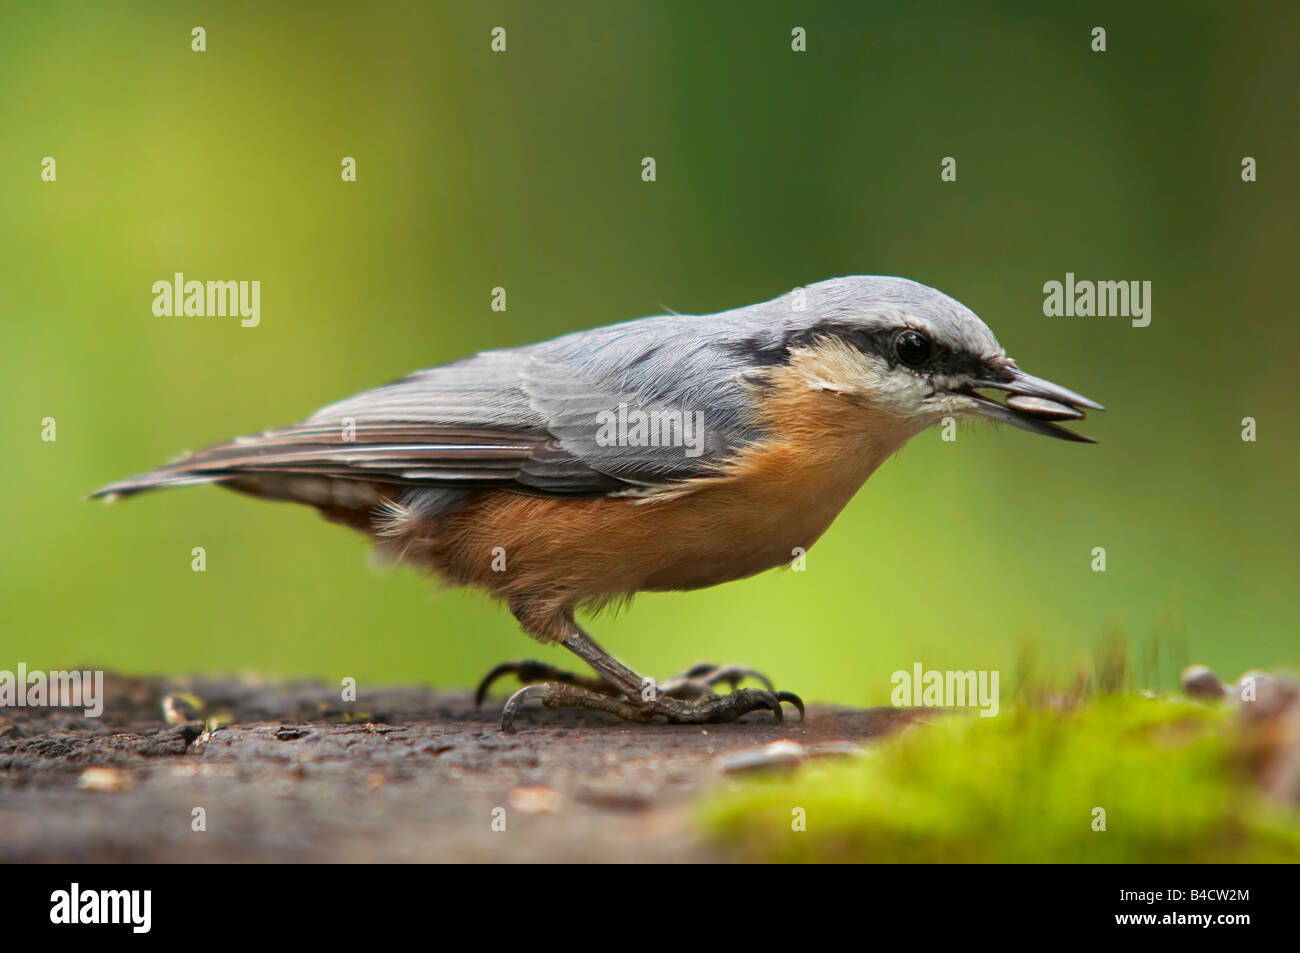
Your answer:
<point x="1042" y="407"/>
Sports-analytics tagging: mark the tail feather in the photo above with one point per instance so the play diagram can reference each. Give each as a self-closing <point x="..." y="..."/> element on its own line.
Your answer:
<point x="153" y="480"/>
<point x="401" y="454"/>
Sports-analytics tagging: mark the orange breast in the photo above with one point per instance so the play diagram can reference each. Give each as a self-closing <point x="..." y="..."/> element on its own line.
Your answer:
<point x="769" y="499"/>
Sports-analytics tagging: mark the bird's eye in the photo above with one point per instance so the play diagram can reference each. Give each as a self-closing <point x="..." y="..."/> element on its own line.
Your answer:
<point x="912" y="348"/>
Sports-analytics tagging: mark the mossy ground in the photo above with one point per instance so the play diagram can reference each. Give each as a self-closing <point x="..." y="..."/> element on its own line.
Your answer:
<point x="1024" y="786"/>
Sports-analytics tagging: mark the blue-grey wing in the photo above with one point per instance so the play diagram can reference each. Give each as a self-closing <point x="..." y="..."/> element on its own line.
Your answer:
<point x="596" y="413"/>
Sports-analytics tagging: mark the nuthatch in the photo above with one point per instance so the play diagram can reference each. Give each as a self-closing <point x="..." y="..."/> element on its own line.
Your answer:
<point x="667" y="453"/>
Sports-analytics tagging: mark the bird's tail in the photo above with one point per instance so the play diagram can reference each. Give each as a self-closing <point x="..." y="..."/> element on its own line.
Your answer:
<point x="316" y="462"/>
<point x="307" y="449"/>
<point x="215" y="464"/>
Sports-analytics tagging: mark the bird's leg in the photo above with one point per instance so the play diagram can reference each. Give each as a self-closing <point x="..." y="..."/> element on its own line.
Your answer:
<point x="642" y="699"/>
<point x="548" y="623"/>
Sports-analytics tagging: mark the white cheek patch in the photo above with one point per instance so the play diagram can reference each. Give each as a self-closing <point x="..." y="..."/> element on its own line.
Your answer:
<point x="895" y="389"/>
<point x="900" y="391"/>
<point x="869" y="380"/>
<point x="833" y="366"/>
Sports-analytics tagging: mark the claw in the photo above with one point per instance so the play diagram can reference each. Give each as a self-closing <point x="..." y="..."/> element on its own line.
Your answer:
<point x="517" y="700"/>
<point x="772" y="702"/>
<point x="733" y="675"/>
<point x="532" y="671"/>
<point x="793" y="699"/>
<point x="480" y="693"/>
<point x="699" y="670"/>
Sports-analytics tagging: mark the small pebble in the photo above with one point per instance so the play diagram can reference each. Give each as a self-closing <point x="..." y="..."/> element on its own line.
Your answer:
<point x="1199" y="682"/>
<point x="180" y="708"/>
<point x="103" y="779"/>
<point x="779" y="754"/>
<point x="536" y="800"/>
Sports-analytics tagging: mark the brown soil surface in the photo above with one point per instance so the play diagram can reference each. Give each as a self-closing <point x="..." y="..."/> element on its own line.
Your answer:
<point x="400" y="775"/>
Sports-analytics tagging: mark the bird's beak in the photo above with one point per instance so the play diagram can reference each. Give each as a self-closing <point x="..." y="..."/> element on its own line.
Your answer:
<point x="1033" y="404"/>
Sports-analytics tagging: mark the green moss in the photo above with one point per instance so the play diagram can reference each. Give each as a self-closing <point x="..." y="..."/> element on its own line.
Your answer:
<point x="1022" y="787"/>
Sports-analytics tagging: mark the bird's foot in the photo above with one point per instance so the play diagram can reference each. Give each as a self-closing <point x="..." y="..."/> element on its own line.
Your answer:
<point x="651" y="704"/>
<point x="685" y="699"/>
<point x="696" y="682"/>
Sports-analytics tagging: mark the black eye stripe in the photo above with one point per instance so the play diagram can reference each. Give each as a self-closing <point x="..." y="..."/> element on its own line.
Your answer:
<point x="879" y="342"/>
<point x="941" y="360"/>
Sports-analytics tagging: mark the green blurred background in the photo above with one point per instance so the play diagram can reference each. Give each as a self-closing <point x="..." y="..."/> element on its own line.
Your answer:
<point x="775" y="169"/>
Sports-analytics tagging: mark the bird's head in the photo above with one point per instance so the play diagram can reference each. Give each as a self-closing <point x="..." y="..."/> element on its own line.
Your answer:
<point x="899" y="347"/>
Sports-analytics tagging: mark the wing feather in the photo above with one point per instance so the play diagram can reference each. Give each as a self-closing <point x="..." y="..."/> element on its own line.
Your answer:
<point x="526" y="419"/>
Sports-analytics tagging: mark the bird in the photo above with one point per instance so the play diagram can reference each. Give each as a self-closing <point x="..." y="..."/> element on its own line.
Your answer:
<point x="671" y="452"/>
